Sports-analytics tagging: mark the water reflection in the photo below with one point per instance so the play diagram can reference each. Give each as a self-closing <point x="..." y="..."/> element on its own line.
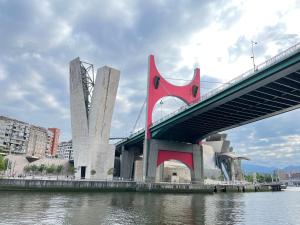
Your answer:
<point x="146" y="208"/>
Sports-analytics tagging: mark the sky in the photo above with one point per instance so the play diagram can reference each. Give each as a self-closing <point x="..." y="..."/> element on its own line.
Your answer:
<point x="40" y="38"/>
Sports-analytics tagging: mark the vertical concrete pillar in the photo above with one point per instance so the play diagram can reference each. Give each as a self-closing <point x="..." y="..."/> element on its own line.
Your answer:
<point x="232" y="170"/>
<point x="198" y="163"/>
<point x="127" y="161"/>
<point x="138" y="170"/>
<point x="145" y="157"/>
<point x="152" y="161"/>
<point x="159" y="173"/>
<point x="79" y="118"/>
<point x="91" y="123"/>
<point x="100" y="116"/>
<point x="159" y="145"/>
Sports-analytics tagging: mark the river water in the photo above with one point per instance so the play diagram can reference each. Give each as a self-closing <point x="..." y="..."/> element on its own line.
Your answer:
<point x="150" y="208"/>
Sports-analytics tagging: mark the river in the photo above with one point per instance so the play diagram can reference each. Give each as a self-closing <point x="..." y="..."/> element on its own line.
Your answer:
<point x="38" y="208"/>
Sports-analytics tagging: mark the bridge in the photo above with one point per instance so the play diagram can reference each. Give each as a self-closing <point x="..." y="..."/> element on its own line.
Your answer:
<point x="273" y="88"/>
<point x="269" y="89"/>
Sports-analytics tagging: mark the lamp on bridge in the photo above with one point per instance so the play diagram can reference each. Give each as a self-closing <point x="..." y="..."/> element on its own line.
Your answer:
<point x="252" y="57"/>
<point x="161" y="103"/>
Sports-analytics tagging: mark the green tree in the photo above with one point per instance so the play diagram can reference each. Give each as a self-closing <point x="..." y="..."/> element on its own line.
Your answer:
<point x="263" y="177"/>
<point x="51" y="168"/>
<point x="42" y="168"/>
<point x="34" y="168"/>
<point x="110" y="171"/>
<point x="27" y="169"/>
<point x="249" y="178"/>
<point x="2" y="163"/>
<point x="59" y="169"/>
<point x="71" y="169"/>
<point x="6" y="163"/>
<point x="268" y="178"/>
<point x="221" y="177"/>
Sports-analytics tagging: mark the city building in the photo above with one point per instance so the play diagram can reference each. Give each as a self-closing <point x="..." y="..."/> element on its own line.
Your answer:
<point x="14" y="135"/>
<point x="219" y="159"/>
<point x="289" y="178"/>
<point x="34" y="142"/>
<point x="65" y="150"/>
<point x="173" y="171"/>
<point x="37" y="143"/>
<point x="53" y="135"/>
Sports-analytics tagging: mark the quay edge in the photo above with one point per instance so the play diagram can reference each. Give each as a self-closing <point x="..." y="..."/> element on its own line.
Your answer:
<point x="123" y="186"/>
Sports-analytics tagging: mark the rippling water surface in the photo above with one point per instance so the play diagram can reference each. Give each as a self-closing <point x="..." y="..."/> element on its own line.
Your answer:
<point x="146" y="208"/>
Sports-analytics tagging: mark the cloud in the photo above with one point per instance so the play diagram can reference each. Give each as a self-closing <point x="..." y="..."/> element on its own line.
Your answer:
<point x="3" y="74"/>
<point x="273" y="141"/>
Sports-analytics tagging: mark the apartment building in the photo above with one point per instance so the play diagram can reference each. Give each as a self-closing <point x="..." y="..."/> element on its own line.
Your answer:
<point x="18" y="137"/>
<point x="66" y="150"/>
<point x="14" y="135"/>
<point x="38" y="142"/>
<point x="53" y="139"/>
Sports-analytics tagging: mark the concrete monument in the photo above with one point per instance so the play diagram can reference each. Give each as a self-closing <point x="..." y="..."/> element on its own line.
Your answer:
<point x="92" y="103"/>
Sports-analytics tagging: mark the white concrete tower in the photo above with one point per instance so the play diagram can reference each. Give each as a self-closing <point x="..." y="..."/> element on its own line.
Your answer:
<point x="92" y="105"/>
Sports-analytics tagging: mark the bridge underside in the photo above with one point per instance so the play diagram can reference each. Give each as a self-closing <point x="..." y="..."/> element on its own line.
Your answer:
<point x="262" y="101"/>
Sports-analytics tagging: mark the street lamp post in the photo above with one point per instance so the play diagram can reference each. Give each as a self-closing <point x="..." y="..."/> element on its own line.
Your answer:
<point x="161" y="104"/>
<point x="252" y="57"/>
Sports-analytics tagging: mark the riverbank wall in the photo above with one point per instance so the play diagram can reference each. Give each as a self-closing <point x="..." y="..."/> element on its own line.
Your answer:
<point x="119" y="186"/>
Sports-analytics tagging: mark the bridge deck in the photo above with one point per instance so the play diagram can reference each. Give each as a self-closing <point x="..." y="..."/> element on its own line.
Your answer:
<point x="272" y="89"/>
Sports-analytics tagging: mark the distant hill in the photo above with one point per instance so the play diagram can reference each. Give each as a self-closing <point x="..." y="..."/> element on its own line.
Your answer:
<point x="292" y="169"/>
<point x="251" y="168"/>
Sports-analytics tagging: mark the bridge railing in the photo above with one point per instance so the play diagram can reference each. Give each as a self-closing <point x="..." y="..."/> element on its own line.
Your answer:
<point x="131" y="135"/>
<point x="279" y="57"/>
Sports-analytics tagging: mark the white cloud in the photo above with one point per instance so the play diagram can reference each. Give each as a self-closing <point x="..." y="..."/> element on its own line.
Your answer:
<point x="3" y="74"/>
<point x="278" y="151"/>
<point x="208" y="47"/>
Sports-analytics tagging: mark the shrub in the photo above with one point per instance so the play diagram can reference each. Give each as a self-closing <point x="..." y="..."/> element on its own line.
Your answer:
<point x="2" y="164"/>
<point x="110" y="171"/>
<point x="42" y="168"/>
<point x="71" y="169"/>
<point x="93" y="172"/>
<point x="27" y="169"/>
<point x="51" y="168"/>
<point x="59" y="169"/>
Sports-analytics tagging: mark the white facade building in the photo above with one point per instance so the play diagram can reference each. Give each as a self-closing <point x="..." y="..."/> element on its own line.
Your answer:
<point x="66" y="150"/>
<point x="14" y="135"/>
<point x="17" y="137"/>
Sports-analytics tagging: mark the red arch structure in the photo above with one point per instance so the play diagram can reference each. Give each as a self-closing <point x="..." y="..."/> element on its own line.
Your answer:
<point x="184" y="157"/>
<point x="158" y="87"/>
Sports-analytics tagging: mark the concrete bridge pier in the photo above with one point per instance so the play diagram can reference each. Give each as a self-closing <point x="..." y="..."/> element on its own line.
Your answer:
<point x="127" y="160"/>
<point x="189" y="154"/>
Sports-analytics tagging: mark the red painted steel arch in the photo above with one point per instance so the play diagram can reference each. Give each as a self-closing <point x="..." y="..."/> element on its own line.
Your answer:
<point x="158" y="88"/>
<point x="184" y="157"/>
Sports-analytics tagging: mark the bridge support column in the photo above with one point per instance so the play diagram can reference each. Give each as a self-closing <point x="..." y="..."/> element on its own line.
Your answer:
<point x="159" y="173"/>
<point x="189" y="154"/>
<point x="127" y="159"/>
<point x="232" y="170"/>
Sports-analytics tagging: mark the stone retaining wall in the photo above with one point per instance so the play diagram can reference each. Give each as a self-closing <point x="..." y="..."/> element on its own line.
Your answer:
<point x="100" y="186"/>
